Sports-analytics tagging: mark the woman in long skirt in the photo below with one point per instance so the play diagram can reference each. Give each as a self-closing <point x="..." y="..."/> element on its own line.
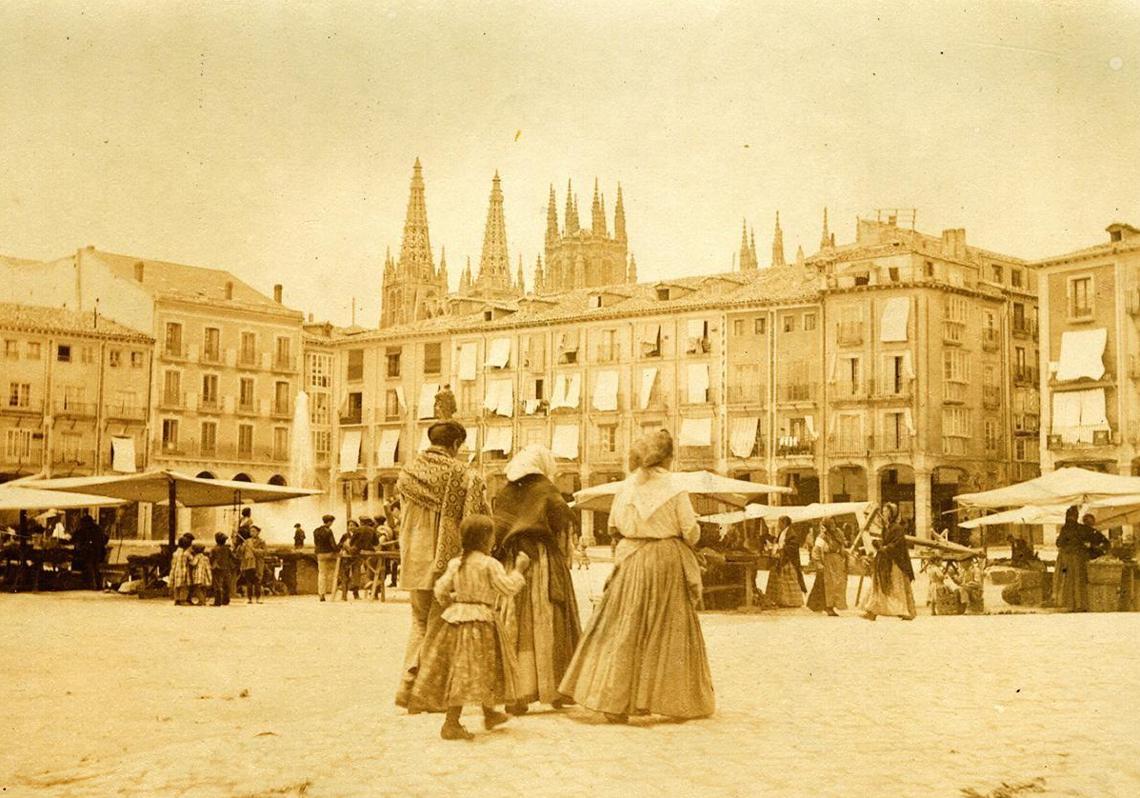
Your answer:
<point x="829" y="592"/>
<point x="541" y="622"/>
<point x="891" y="592"/>
<point x="786" y="586"/>
<point x="643" y="651"/>
<point x="1075" y="543"/>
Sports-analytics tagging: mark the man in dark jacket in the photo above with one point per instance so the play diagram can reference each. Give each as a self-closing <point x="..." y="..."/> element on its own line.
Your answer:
<point x="325" y="545"/>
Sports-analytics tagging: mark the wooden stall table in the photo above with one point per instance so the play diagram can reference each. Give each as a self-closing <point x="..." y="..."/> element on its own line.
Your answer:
<point x="750" y="565"/>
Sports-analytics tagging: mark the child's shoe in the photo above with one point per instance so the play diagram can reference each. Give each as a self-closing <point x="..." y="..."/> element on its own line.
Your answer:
<point x="493" y="718"/>
<point x="455" y="731"/>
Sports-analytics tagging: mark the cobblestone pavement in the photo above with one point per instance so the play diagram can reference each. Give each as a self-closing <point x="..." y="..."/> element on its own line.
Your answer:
<point x="107" y="695"/>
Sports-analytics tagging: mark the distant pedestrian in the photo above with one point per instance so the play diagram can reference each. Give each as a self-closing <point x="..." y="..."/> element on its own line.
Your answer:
<point x="892" y="573"/>
<point x="786" y="585"/>
<point x="181" y="577"/>
<point x="253" y="564"/>
<point x="325" y="545"/>
<point x="463" y="658"/>
<point x="298" y="536"/>
<point x="223" y="564"/>
<point x="829" y="591"/>
<point x="583" y="556"/>
<point x="445" y="406"/>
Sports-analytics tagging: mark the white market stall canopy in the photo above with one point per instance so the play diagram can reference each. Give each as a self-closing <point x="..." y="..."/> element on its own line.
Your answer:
<point x="1065" y="486"/>
<point x="797" y="513"/>
<point x="1048" y="514"/>
<point x="734" y="492"/>
<point x="158" y="487"/>
<point x="13" y="497"/>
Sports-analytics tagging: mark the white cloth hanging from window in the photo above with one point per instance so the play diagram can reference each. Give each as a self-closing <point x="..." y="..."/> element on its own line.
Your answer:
<point x="123" y="455"/>
<point x="427" y="400"/>
<point x="500" y="397"/>
<point x="893" y="324"/>
<point x="697" y="335"/>
<point x="605" y="397"/>
<point x="648" y="379"/>
<point x="651" y="339"/>
<point x="350" y="450"/>
<point x="1078" y="414"/>
<point x="400" y="399"/>
<point x="573" y="390"/>
<point x="498" y="439"/>
<point x="1082" y="355"/>
<point x="389" y="442"/>
<point x="742" y="438"/>
<point x="908" y="421"/>
<point x="467" y="366"/>
<point x="698" y="383"/>
<point x="499" y="354"/>
<point x="564" y="442"/>
<point x="696" y="432"/>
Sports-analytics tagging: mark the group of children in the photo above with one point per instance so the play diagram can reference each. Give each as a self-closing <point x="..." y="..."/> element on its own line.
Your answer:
<point x="196" y="574"/>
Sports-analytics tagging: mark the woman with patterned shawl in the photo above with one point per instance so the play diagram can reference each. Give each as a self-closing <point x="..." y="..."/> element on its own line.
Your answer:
<point x="786" y="585"/>
<point x="892" y="573"/>
<point x="437" y="492"/>
<point x="643" y="652"/>
<point x="541" y="622"/>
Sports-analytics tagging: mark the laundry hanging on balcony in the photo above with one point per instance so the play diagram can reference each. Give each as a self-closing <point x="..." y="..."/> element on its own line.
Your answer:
<point x="696" y="432"/>
<point x="499" y="354"/>
<point x="605" y="396"/>
<point x="389" y="443"/>
<point x="1082" y="355"/>
<point x="567" y="391"/>
<point x="564" y="442"/>
<point x="893" y="324"/>
<point x="426" y="407"/>
<point x="742" y="436"/>
<point x="698" y="374"/>
<point x="648" y="379"/>
<point x="467" y="365"/>
<point x="651" y="340"/>
<point x="1079" y="414"/>
<point x="350" y="450"/>
<point x="123" y="455"/>
<point x="500" y="398"/>
<point x="498" y="439"/>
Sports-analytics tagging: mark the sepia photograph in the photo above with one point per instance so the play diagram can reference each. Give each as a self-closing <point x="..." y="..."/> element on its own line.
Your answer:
<point x="556" y="399"/>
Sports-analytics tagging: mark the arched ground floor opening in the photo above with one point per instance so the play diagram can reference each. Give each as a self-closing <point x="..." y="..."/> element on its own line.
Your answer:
<point x="804" y="483"/>
<point x="847" y="483"/>
<point x="277" y="479"/>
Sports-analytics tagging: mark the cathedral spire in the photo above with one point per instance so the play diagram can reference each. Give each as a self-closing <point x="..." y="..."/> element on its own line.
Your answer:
<point x="494" y="265"/>
<point x="465" y="278"/>
<point x="631" y="274"/>
<point x="415" y="250"/>
<point x="597" y="215"/>
<point x="521" y="277"/>
<point x="571" y="223"/>
<point x="539" y="277"/>
<point x="551" y="219"/>
<point x="752" y="247"/>
<point x="619" y="217"/>
<point x="443" y="269"/>
<point x="825" y="240"/>
<point x="778" y="244"/>
<point x="747" y="260"/>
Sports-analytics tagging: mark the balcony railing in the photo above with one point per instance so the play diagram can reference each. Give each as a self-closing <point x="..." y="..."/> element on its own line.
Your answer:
<point x="793" y="446"/>
<point x="247" y="408"/>
<point x="954" y="391"/>
<point x="284" y="363"/>
<point x="849" y="333"/>
<point x="64" y="407"/>
<point x="797" y="392"/>
<point x="247" y="359"/>
<point x="281" y="410"/>
<point x="854" y="444"/>
<point x="210" y="404"/>
<point x="1026" y="423"/>
<point x="173" y="400"/>
<point x="126" y="412"/>
<point x="211" y="358"/>
<point x="991" y="397"/>
<point x="34" y="406"/>
<point x="174" y="351"/>
<point x="757" y="394"/>
<point x="1025" y="328"/>
<point x="845" y="390"/>
<point x="1025" y="375"/>
<point x="953" y="332"/>
<point x="990" y="340"/>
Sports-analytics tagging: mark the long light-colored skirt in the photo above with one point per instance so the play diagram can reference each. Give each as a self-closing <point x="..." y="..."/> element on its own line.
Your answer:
<point x="897" y="598"/>
<point x="542" y="634"/>
<point x="462" y="664"/>
<point x="643" y="651"/>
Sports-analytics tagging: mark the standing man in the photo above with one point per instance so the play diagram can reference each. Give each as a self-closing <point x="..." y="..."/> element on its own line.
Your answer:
<point x="437" y="492"/>
<point x="445" y="406"/>
<point x="324" y="543"/>
<point x="298" y="536"/>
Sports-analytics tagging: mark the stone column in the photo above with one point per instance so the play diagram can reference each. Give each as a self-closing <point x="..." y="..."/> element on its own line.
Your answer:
<point x="922" y="515"/>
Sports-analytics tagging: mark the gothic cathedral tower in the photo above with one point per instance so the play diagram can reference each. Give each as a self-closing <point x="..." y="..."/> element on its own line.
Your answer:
<point x="412" y="287"/>
<point x="584" y="258"/>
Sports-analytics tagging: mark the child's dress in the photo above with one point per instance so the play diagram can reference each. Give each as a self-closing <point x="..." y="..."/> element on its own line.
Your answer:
<point x="464" y="659"/>
<point x="201" y="575"/>
<point x="180" y="574"/>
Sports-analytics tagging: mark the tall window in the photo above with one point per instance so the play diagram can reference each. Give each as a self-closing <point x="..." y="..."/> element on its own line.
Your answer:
<point x="955" y="430"/>
<point x="247" y="353"/>
<point x="63" y="353"/>
<point x="1015" y="278"/>
<point x="433" y="358"/>
<point x="280" y="443"/>
<point x="392" y="358"/>
<point x="849" y="376"/>
<point x="319" y="408"/>
<point x="209" y="437"/>
<point x="809" y="321"/>
<point x="738" y="327"/>
<point x="245" y="394"/>
<point x="760" y="326"/>
<point x="607" y="438"/>
<point x="11" y="349"/>
<point x="209" y="390"/>
<point x="136" y="360"/>
<point x="17" y="444"/>
<point x="19" y="394"/>
<point x="212" y="345"/>
<point x="990" y="434"/>
<point x="169" y="434"/>
<point x="172" y="343"/>
<point x="282" y="352"/>
<point x="114" y="358"/>
<point x="607" y="346"/>
<point x="245" y="440"/>
<point x="281" y="398"/>
<point x="320" y="370"/>
<point x="391" y="404"/>
<point x="33" y="350"/>
<point x="355" y="365"/>
<point x="172" y="387"/>
<point x="322" y="443"/>
<point x="1080" y="297"/>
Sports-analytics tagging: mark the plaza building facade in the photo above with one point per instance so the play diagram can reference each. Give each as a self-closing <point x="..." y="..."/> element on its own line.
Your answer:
<point x="1090" y="355"/>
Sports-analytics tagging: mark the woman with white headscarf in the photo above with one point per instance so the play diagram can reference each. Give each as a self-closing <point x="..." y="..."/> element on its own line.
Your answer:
<point x="540" y="622"/>
<point x="643" y="652"/>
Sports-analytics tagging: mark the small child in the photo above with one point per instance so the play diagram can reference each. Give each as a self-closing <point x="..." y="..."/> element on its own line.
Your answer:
<point x="464" y="660"/>
<point x="583" y="555"/>
<point x="200" y="575"/>
<point x="223" y="563"/>
<point x="253" y="564"/>
<point x="181" y="576"/>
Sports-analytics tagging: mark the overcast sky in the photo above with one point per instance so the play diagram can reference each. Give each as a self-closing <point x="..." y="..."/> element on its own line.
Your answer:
<point x="277" y="141"/>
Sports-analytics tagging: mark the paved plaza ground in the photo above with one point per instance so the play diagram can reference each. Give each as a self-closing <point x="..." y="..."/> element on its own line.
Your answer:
<point x="114" y="696"/>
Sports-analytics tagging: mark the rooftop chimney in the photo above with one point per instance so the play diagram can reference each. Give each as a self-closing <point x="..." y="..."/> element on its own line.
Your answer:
<point x="310" y="318"/>
<point x="139" y="269"/>
<point x="229" y="289"/>
<point x="277" y="289"/>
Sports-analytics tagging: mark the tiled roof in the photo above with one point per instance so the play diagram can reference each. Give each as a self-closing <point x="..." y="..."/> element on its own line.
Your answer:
<point x="1107" y="248"/>
<point x="36" y="318"/>
<point x="193" y="283"/>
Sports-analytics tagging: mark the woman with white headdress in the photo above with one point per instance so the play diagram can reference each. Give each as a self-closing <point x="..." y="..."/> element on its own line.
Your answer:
<point x="540" y="622"/>
<point x="643" y="652"/>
